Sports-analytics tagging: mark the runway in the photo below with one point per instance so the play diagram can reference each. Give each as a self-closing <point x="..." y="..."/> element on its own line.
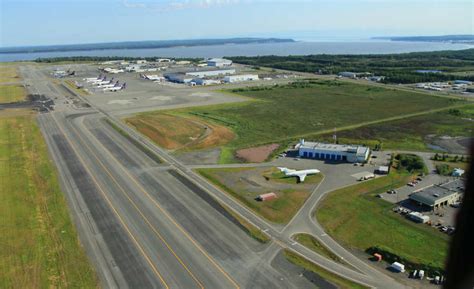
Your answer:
<point x="148" y="221"/>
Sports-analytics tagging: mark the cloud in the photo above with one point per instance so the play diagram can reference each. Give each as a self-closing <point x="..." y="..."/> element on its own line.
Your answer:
<point x="178" y="4"/>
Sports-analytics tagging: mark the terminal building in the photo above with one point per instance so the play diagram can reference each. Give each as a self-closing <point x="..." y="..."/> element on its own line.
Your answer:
<point x="335" y="152"/>
<point x="437" y="196"/>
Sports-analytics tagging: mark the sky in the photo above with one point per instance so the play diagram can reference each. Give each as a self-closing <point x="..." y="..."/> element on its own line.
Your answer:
<point x="49" y="22"/>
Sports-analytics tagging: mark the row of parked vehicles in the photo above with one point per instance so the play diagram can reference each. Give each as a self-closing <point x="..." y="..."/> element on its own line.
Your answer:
<point x="415" y="182"/>
<point x="420" y="274"/>
<point x="446" y="229"/>
<point x="417" y="274"/>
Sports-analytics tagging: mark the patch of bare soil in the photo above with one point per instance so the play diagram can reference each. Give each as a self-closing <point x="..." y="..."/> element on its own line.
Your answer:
<point x="257" y="154"/>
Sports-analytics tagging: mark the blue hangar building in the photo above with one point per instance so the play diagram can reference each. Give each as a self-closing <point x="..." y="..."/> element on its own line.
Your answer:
<point x="335" y="152"/>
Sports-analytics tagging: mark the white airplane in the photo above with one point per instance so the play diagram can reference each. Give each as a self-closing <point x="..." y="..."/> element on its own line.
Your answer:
<point x="104" y="82"/>
<point x="92" y="79"/>
<point x="115" y="88"/>
<point x="152" y="77"/>
<point x="109" y="85"/>
<point x="301" y="175"/>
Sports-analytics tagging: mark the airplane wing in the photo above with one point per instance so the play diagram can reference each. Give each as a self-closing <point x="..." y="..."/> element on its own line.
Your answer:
<point x="301" y="176"/>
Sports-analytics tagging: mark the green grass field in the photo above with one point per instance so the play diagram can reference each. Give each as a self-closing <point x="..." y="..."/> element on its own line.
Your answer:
<point x="39" y="247"/>
<point x="279" y="210"/>
<point x="11" y="93"/>
<point x="357" y="219"/>
<point x="288" y="112"/>
<point x="411" y="133"/>
<point x="9" y="72"/>
<point x="337" y="280"/>
<point x="284" y="113"/>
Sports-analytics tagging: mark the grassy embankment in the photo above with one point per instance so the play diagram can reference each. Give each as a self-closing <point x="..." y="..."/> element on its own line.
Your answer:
<point x="313" y="244"/>
<point x="72" y="85"/>
<point x="284" y="113"/>
<point x="357" y="219"/>
<point x="337" y="280"/>
<point x="39" y="247"/>
<point x="279" y="210"/>
<point x="9" y="91"/>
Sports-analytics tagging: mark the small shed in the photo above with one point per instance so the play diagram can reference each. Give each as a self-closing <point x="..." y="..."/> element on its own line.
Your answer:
<point x="377" y="257"/>
<point x="266" y="197"/>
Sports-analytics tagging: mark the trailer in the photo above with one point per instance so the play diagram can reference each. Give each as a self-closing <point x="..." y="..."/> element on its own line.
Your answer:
<point x="419" y="218"/>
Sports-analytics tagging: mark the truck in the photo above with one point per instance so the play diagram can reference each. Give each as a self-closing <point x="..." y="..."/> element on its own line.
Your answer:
<point x="398" y="267"/>
<point x="421" y="274"/>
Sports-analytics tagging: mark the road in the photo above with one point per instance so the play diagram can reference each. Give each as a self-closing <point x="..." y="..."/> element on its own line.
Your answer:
<point x="149" y="224"/>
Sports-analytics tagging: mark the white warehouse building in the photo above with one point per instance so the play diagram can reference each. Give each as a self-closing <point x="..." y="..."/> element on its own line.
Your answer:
<point x="335" y="152"/>
<point x="242" y="77"/>
<point x="219" y="62"/>
<point x="207" y="73"/>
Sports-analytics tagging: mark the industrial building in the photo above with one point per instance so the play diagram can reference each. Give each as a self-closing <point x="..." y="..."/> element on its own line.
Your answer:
<point x="203" y="81"/>
<point x="210" y="73"/>
<point x="348" y="74"/>
<point x="178" y="77"/>
<point x="240" y="78"/>
<point x="219" y="62"/>
<point x="436" y="196"/>
<point x="336" y="152"/>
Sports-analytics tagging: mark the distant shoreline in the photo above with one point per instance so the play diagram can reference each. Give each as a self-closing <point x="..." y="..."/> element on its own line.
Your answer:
<point x="459" y="39"/>
<point x="139" y="45"/>
<point x="249" y="49"/>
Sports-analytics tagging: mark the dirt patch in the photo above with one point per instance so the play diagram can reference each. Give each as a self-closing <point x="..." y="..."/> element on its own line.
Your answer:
<point x="257" y="154"/>
<point x="216" y="135"/>
<point x="180" y="133"/>
<point x="454" y="145"/>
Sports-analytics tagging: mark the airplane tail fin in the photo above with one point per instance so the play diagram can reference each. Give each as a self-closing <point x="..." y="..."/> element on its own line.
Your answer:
<point x="283" y="170"/>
